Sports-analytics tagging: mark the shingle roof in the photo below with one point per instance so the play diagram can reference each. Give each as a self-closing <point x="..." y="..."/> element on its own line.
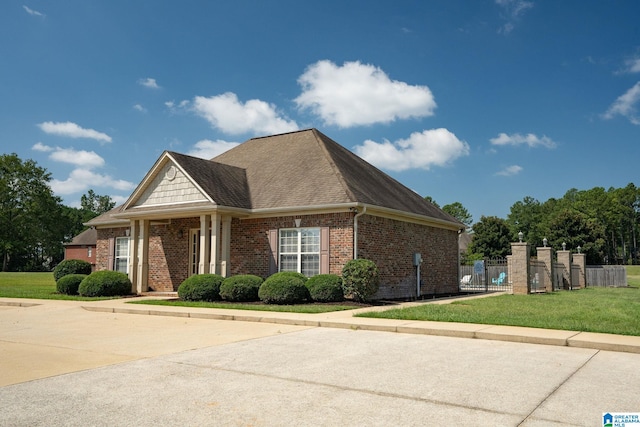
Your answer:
<point x="307" y="168"/>
<point x="87" y="238"/>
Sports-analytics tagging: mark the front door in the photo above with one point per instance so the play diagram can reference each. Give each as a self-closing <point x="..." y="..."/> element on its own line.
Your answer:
<point x="194" y="251"/>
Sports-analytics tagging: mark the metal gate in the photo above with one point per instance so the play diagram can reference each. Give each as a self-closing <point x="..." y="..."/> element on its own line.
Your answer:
<point x="485" y="275"/>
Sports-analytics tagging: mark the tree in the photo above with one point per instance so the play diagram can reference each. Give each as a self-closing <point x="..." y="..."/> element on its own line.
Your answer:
<point x="491" y="238"/>
<point x="430" y="200"/>
<point x="31" y="220"/>
<point x="96" y="204"/>
<point x="526" y="216"/>
<point x="459" y="212"/>
<point x="575" y="229"/>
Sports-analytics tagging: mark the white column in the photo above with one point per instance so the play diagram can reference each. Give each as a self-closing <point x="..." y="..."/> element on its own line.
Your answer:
<point x="225" y="249"/>
<point x="203" y="267"/>
<point x="214" y="266"/>
<point x="142" y="282"/>
<point x="133" y="255"/>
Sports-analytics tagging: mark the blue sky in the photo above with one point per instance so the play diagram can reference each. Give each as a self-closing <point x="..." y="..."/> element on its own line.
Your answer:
<point x="480" y="102"/>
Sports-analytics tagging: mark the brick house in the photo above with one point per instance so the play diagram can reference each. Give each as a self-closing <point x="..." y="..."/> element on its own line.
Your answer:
<point x="83" y="246"/>
<point x="296" y="201"/>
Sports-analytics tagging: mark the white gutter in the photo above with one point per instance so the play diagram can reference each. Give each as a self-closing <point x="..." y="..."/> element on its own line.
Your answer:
<point x="355" y="230"/>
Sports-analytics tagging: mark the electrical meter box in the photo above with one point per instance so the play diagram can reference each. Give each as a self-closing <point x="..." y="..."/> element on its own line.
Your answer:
<point x="417" y="259"/>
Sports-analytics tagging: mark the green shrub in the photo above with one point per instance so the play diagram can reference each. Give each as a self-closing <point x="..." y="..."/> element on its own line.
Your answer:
<point x="69" y="284"/>
<point x="105" y="283"/>
<point x="243" y="287"/>
<point x="283" y="288"/>
<point x="325" y="288"/>
<point x="360" y="279"/>
<point x="201" y="287"/>
<point x="293" y="274"/>
<point x="71" y="266"/>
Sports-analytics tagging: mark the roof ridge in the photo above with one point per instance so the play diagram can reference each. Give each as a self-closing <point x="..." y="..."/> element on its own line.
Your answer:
<point x="321" y="139"/>
<point x="284" y="133"/>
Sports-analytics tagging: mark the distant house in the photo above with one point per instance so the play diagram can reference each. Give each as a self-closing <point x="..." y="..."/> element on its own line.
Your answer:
<point x="83" y="246"/>
<point x="292" y="202"/>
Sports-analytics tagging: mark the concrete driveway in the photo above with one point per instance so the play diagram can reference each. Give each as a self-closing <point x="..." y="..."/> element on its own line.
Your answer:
<point x="63" y="365"/>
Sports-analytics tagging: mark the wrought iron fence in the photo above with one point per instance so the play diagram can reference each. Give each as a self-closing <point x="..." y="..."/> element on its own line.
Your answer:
<point x="484" y="276"/>
<point x="538" y="276"/>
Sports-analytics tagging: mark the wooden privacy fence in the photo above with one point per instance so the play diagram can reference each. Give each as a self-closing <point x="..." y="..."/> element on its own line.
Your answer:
<point x="606" y="276"/>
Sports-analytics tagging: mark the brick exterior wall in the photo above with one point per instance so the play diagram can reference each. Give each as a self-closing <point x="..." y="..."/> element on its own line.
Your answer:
<point x="250" y="249"/>
<point x="391" y="245"/>
<point x="102" y="245"/>
<point x="82" y="253"/>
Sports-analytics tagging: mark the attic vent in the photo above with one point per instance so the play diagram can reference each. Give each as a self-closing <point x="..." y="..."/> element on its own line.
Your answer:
<point x="171" y="173"/>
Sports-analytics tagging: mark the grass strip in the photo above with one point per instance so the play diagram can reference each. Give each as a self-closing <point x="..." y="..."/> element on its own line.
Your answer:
<point x="604" y="310"/>
<point x="295" y="308"/>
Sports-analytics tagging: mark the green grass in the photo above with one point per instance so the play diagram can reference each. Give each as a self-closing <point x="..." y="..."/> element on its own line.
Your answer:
<point x="633" y="275"/>
<point x="605" y="310"/>
<point x="34" y="286"/>
<point x="296" y="308"/>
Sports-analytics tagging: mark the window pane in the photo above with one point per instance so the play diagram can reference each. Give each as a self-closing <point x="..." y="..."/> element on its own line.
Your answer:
<point x="310" y="265"/>
<point x="122" y="247"/>
<point x="288" y="262"/>
<point x="310" y="240"/>
<point x="121" y="265"/>
<point x="288" y="241"/>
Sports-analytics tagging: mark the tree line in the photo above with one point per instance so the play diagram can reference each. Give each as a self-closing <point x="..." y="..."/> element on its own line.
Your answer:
<point x="34" y="224"/>
<point x="603" y="224"/>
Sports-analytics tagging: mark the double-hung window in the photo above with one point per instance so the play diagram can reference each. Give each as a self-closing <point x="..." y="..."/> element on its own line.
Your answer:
<point x="121" y="258"/>
<point x="299" y="250"/>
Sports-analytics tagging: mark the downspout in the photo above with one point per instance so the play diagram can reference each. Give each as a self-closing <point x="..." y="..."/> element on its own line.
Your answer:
<point x="355" y="230"/>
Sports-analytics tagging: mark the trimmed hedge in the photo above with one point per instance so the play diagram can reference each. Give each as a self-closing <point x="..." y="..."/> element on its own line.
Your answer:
<point x="69" y="284"/>
<point x="243" y="287"/>
<point x="360" y="279"/>
<point x="105" y="283"/>
<point x="201" y="287"/>
<point x="71" y="266"/>
<point x="325" y="288"/>
<point x="283" y="288"/>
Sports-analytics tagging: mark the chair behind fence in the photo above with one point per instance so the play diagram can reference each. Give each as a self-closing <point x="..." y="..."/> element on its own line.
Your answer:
<point x="484" y="276"/>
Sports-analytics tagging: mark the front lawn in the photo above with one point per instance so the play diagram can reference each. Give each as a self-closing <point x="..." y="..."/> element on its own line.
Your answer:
<point x="605" y="310"/>
<point x="35" y="286"/>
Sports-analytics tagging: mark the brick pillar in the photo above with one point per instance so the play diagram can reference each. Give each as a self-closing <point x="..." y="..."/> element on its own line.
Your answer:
<point x="545" y="254"/>
<point x="520" y="268"/>
<point x="564" y="258"/>
<point x="581" y="261"/>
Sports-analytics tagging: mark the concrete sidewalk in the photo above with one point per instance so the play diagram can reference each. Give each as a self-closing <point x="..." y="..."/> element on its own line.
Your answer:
<point x="346" y="320"/>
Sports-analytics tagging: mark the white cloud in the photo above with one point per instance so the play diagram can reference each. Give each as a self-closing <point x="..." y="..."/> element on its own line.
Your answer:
<point x="149" y="82"/>
<point x="510" y="171"/>
<point x="360" y="94"/>
<point x="33" y="12"/>
<point x="514" y="10"/>
<point x="87" y="159"/>
<point x="625" y="105"/>
<point x="517" y="139"/>
<point x="39" y="146"/>
<point x="72" y="130"/>
<point x="231" y="116"/>
<point x="82" y="179"/>
<point x="207" y="149"/>
<point x="140" y="108"/>
<point x="632" y="65"/>
<point x="434" y="147"/>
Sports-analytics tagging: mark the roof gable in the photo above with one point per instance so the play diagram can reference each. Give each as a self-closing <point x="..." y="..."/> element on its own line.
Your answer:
<point x="181" y="179"/>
